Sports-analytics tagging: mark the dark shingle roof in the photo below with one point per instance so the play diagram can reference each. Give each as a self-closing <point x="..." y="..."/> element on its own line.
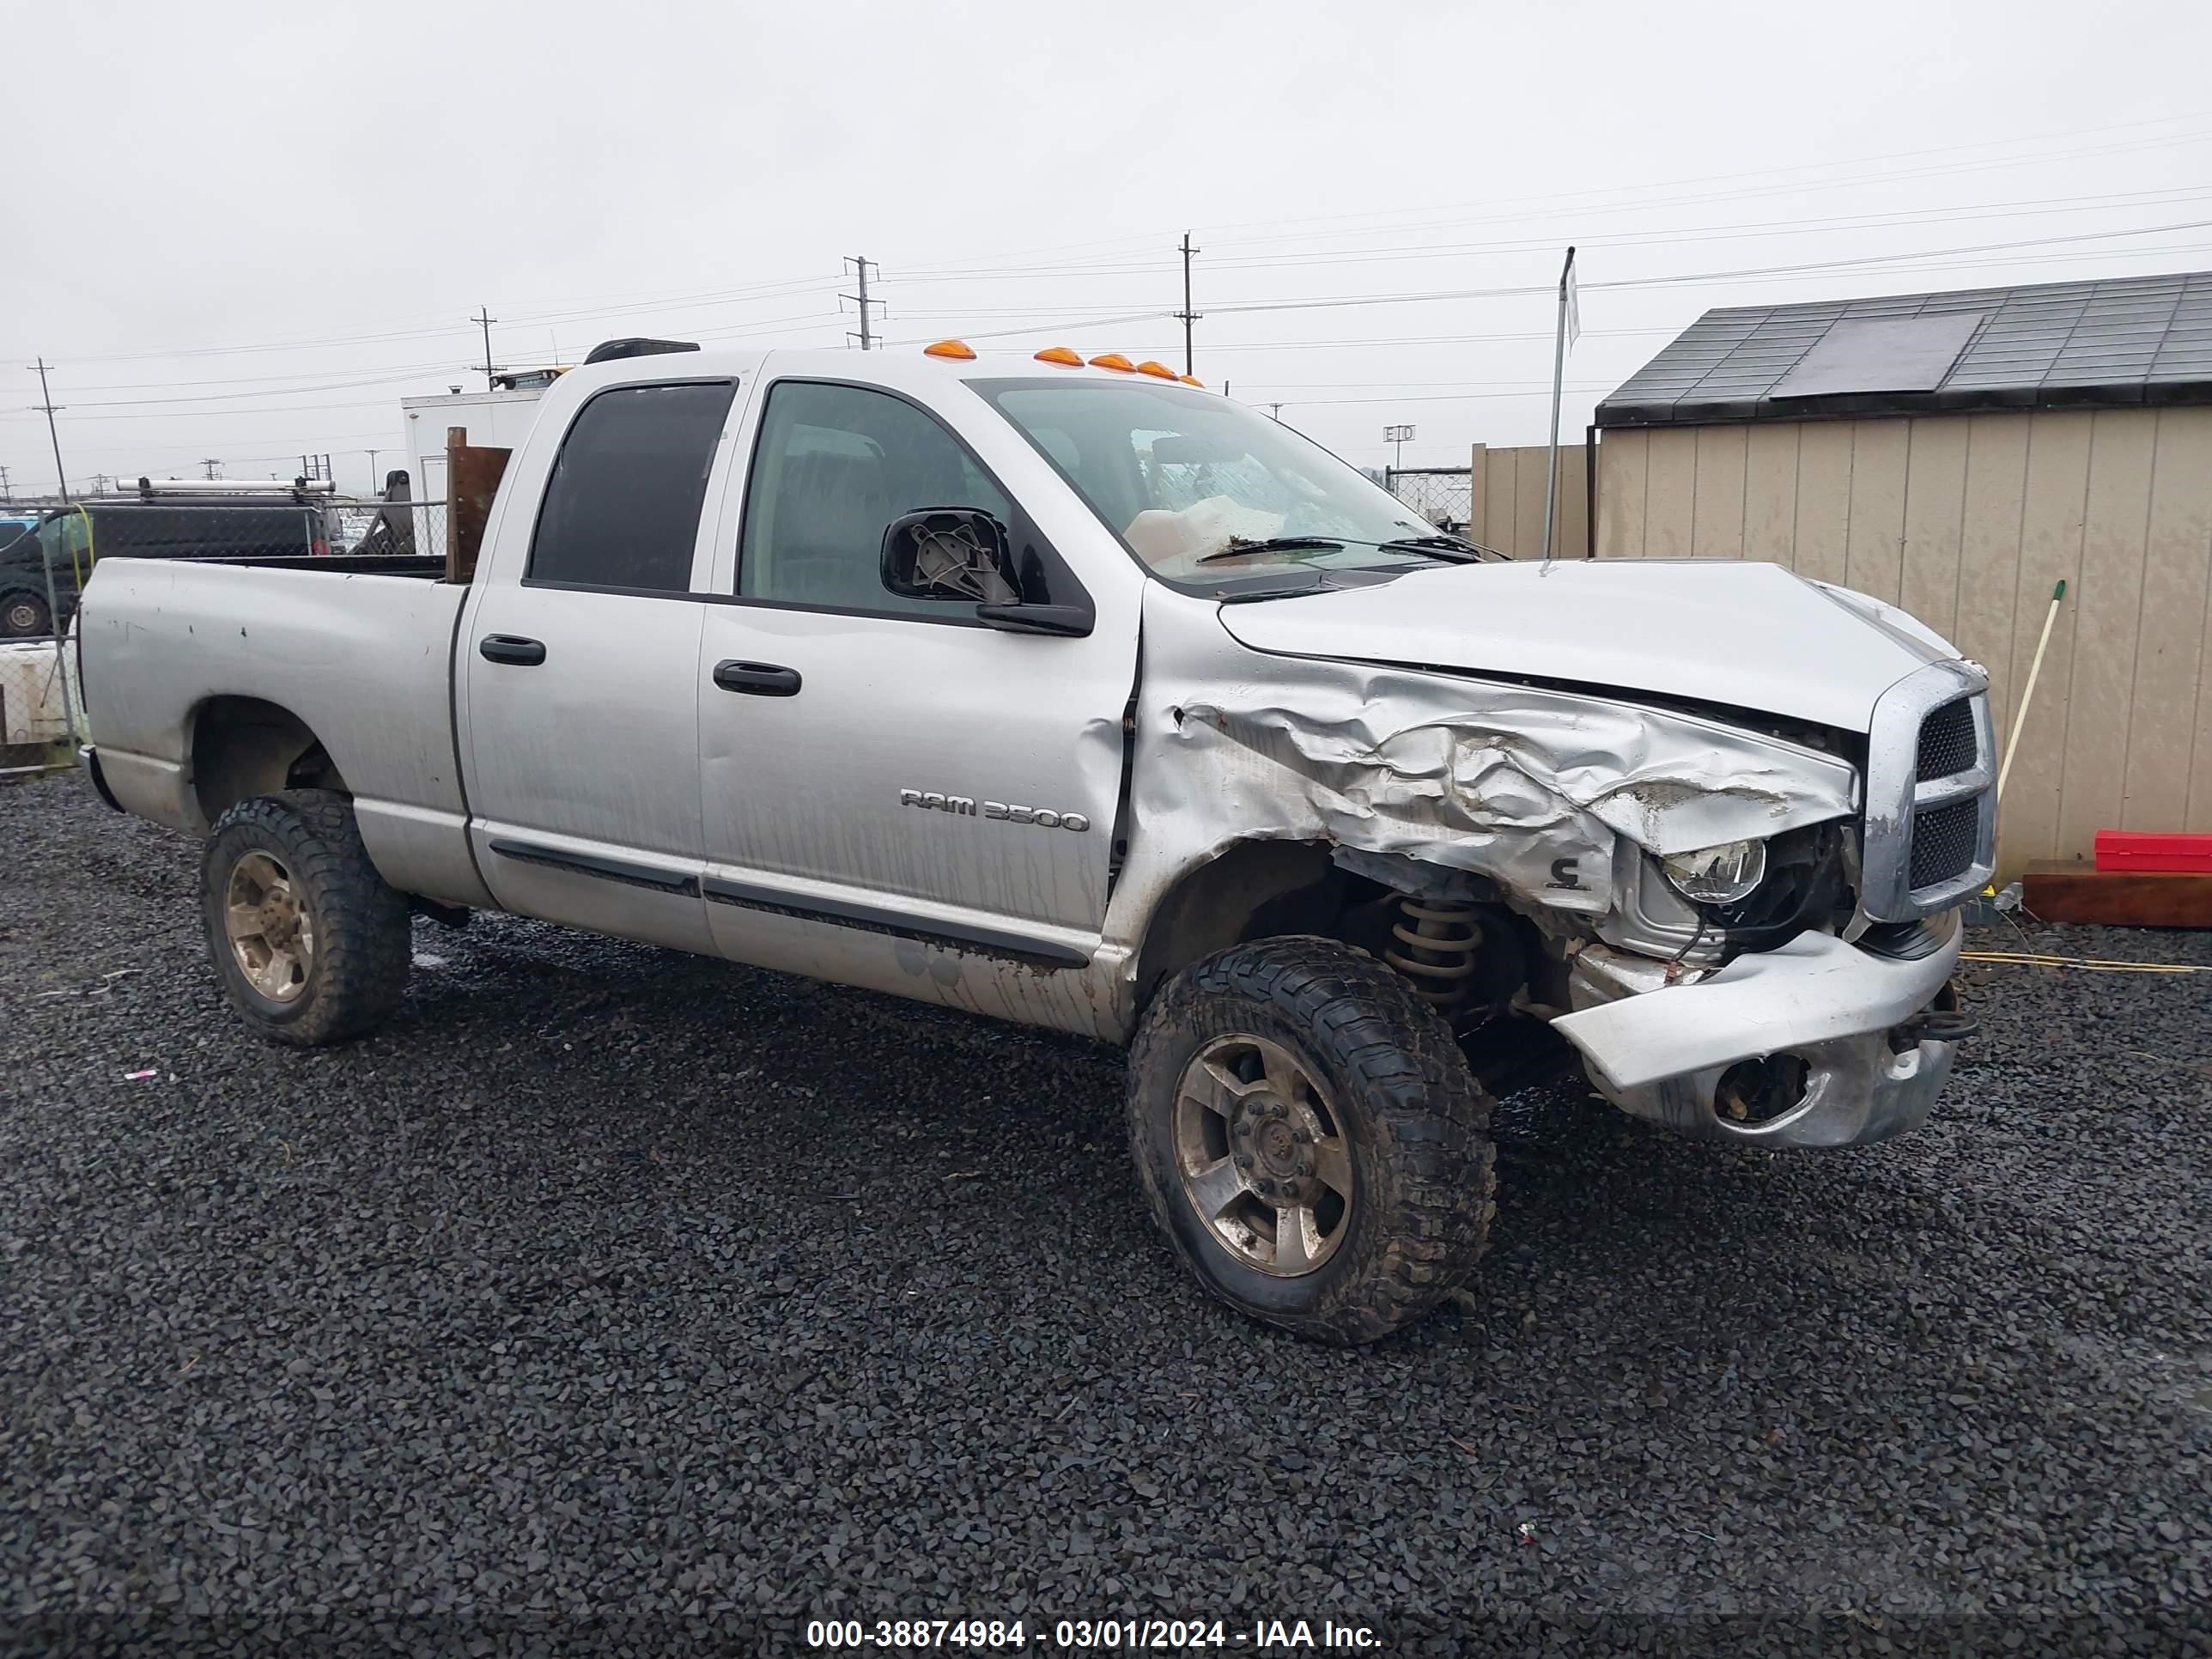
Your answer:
<point x="2126" y="341"/>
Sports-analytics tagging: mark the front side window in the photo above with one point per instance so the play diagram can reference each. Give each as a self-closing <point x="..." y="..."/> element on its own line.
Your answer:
<point x="834" y="466"/>
<point x="1195" y="485"/>
<point x="622" y="509"/>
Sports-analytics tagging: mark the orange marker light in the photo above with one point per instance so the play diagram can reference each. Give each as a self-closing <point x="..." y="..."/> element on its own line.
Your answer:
<point x="1157" y="371"/>
<point x="955" y="348"/>
<point x="1113" y="360"/>
<point x="1192" y="379"/>
<point x="1060" y="355"/>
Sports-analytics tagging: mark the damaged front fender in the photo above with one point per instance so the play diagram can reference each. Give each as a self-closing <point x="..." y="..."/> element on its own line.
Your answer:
<point x="1526" y="786"/>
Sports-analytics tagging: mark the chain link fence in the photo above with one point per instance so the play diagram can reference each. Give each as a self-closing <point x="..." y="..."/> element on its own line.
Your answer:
<point x="1444" y="496"/>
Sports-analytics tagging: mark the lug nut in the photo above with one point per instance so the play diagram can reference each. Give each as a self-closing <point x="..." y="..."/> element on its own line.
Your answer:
<point x="1302" y="1136"/>
<point x="1243" y="1160"/>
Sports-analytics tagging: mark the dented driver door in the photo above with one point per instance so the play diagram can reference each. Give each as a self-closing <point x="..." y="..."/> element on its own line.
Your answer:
<point x="895" y="794"/>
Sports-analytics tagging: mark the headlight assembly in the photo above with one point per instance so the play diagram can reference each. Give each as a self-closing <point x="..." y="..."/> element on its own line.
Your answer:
<point x="1718" y="875"/>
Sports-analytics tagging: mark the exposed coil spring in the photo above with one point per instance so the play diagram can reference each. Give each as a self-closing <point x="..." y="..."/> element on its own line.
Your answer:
<point x="1441" y="937"/>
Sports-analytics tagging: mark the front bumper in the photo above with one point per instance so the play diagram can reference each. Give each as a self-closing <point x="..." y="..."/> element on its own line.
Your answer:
<point x="1658" y="1048"/>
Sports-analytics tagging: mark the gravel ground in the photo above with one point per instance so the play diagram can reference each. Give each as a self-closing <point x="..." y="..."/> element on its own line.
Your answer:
<point x="614" y="1300"/>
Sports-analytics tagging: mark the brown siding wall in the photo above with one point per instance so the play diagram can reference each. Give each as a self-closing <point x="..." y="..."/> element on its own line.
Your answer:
<point x="1967" y="521"/>
<point x="1508" y="510"/>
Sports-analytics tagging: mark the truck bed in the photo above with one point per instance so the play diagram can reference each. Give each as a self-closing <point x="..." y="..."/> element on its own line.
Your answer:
<point x="361" y="657"/>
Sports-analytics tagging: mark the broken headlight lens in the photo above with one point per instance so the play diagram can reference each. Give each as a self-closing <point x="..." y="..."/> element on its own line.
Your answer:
<point x="1718" y="875"/>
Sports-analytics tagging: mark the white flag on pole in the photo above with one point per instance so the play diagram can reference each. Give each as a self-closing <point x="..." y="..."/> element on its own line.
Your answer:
<point x="1571" y="298"/>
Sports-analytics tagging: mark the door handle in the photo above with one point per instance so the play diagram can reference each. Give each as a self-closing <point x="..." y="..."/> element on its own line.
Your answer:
<point x="511" y="648"/>
<point x="761" y="679"/>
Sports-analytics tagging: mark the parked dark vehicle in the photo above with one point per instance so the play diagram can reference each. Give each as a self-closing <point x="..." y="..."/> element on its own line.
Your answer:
<point x="71" y="538"/>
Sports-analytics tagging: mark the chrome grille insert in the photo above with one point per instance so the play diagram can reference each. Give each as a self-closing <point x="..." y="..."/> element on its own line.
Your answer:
<point x="1930" y="838"/>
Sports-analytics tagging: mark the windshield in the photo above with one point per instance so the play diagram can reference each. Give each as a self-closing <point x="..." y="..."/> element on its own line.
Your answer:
<point x="1186" y="478"/>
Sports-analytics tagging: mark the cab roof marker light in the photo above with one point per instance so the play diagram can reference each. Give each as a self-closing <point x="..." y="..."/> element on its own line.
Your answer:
<point x="1159" y="371"/>
<point x="1192" y="379"/>
<point x="1066" y="356"/>
<point x="1113" y="360"/>
<point x="959" y="350"/>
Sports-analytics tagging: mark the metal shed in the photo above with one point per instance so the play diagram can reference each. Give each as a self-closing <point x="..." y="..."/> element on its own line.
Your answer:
<point x="1959" y="455"/>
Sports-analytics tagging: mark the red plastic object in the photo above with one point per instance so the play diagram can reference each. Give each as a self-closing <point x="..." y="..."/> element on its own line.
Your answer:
<point x="2135" y="849"/>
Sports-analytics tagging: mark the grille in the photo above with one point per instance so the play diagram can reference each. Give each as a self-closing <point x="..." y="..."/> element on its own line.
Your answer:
<point x="1944" y="842"/>
<point x="1947" y="742"/>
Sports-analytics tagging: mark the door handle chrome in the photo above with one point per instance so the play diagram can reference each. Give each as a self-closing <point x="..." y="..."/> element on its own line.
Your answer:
<point x="760" y="679"/>
<point x="511" y="648"/>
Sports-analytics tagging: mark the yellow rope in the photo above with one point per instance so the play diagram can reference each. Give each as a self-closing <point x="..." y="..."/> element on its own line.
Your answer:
<point x="2035" y="959"/>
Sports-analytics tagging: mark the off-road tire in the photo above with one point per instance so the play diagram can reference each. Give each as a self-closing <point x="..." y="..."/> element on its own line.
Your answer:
<point x="24" y="616"/>
<point x="1414" y="1117"/>
<point x="363" y="947"/>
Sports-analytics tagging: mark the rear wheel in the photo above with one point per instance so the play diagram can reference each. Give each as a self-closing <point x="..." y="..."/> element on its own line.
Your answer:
<point x="25" y="615"/>
<point x="310" y="944"/>
<point x="1309" y="1138"/>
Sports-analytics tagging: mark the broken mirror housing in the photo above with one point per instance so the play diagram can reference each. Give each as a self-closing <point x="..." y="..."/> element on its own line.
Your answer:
<point x="1718" y="875"/>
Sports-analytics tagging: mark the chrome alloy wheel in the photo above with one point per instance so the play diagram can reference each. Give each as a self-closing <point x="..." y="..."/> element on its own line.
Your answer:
<point x="1263" y="1155"/>
<point x="271" y="930"/>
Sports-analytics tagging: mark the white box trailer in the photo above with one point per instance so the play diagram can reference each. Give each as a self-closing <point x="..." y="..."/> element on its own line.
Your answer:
<point x="498" y="419"/>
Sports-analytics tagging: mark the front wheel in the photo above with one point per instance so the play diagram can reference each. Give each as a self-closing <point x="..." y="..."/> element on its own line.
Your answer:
<point x="1310" y="1139"/>
<point x="312" y="945"/>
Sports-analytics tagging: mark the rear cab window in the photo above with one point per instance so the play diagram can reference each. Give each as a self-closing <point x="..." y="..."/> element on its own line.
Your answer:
<point x="621" y="510"/>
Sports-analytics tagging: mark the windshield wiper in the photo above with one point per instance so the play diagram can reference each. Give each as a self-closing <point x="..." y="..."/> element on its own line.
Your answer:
<point x="1450" y="548"/>
<point x="1238" y="548"/>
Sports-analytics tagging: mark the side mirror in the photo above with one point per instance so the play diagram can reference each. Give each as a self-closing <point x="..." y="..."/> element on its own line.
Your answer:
<point x="950" y="553"/>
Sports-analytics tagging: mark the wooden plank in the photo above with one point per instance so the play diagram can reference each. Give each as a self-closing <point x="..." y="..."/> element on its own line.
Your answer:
<point x="1874" y="539"/>
<point x="2169" y="745"/>
<point x="1498" y="489"/>
<point x="1574" y="502"/>
<point x="2050" y="520"/>
<point x="2107" y="607"/>
<point x="1623" y="462"/>
<point x="1716" y="508"/>
<point x="473" y="476"/>
<point x="1478" y="496"/>
<point x="1531" y="467"/>
<point x="1670" y="493"/>
<point x="1935" y="520"/>
<point x="1988" y="562"/>
<point x="1769" y="492"/>
<point x="1824" y="499"/>
<point x="2064" y="890"/>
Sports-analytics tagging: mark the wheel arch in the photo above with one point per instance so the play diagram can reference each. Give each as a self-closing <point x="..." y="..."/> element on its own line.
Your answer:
<point x="1246" y="889"/>
<point x="242" y="746"/>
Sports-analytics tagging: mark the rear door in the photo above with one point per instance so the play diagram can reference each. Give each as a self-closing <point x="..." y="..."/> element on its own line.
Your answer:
<point x="579" y="659"/>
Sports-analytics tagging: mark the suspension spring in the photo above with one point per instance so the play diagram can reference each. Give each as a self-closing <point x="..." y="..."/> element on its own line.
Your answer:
<point x="1440" y="938"/>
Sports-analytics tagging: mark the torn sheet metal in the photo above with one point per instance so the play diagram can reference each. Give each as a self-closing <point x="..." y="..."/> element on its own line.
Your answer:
<point x="1526" y="786"/>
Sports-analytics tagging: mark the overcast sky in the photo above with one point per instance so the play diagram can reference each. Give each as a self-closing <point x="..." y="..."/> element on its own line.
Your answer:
<point x="242" y="232"/>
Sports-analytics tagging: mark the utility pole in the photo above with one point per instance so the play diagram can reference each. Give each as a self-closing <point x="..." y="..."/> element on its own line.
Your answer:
<point x="210" y="465"/>
<point x="866" y="336"/>
<point x="375" y="484"/>
<point x="50" y="408"/>
<point x="1187" y="314"/>
<point x="484" y="317"/>
<point x="6" y="493"/>
<point x="1275" y="413"/>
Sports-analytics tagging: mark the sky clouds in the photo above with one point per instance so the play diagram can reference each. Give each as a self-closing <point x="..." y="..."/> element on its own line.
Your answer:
<point x="247" y="233"/>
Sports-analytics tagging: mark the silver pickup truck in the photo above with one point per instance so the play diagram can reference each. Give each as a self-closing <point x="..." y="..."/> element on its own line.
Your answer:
<point x="1074" y="695"/>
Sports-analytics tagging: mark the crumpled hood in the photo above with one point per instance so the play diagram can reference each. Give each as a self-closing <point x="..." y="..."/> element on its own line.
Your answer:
<point x="1749" y="635"/>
